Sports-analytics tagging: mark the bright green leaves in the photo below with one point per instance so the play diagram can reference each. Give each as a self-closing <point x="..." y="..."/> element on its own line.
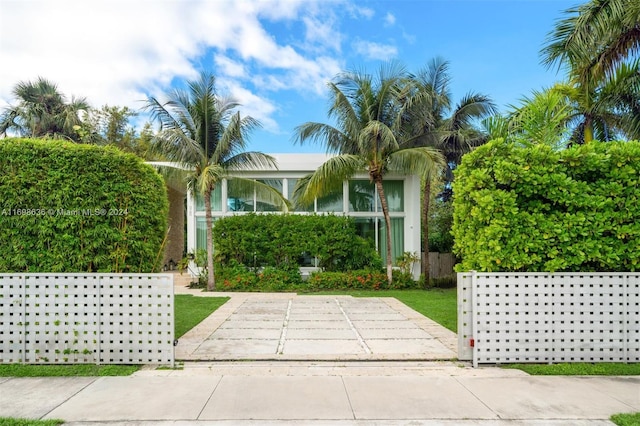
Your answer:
<point x="535" y="209"/>
<point x="78" y="208"/>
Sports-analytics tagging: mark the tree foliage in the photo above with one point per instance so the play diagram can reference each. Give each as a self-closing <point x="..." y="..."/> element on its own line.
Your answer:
<point x="78" y="208"/>
<point x="537" y="209"/>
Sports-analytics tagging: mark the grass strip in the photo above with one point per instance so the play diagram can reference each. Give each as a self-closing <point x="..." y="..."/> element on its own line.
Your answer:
<point x="64" y="370"/>
<point x="12" y="421"/>
<point x="626" y="419"/>
<point x="579" y="369"/>
<point x="191" y="310"/>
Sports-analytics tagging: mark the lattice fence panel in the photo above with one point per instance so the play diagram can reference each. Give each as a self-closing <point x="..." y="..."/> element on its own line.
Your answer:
<point x="12" y="319"/>
<point x="87" y="318"/>
<point x="539" y="317"/>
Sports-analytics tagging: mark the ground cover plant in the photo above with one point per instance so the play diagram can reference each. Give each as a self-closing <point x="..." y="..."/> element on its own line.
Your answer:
<point x="69" y="207"/>
<point x="191" y="310"/>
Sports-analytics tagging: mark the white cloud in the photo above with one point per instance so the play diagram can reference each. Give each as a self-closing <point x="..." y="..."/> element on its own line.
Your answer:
<point x="229" y="67"/>
<point x="389" y="19"/>
<point x="118" y="52"/>
<point x="372" y="50"/>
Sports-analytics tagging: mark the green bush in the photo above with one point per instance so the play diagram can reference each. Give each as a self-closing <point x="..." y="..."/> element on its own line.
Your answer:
<point x="535" y="209"/>
<point x="78" y="208"/>
<point x="281" y="241"/>
<point x="358" y="280"/>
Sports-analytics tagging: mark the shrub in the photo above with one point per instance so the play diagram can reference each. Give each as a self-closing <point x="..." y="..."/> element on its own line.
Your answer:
<point x="358" y="280"/>
<point x="281" y="240"/>
<point x="535" y="209"/>
<point x="78" y="208"/>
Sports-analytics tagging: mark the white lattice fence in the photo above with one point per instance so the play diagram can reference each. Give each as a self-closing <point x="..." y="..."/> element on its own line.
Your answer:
<point x="86" y="318"/>
<point x="544" y="318"/>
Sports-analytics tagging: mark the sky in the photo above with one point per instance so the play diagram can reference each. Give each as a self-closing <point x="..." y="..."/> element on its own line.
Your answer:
<point x="274" y="56"/>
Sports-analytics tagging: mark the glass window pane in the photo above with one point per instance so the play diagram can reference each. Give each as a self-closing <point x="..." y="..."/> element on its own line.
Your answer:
<point x="361" y="196"/>
<point x="331" y="203"/>
<point x="240" y="196"/>
<point x="216" y="200"/>
<point x="397" y="238"/>
<point x="291" y="184"/>
<point x="265" y="206"/>
<point x="201" y="232"/>
<point x="366" y="228"/>
<point x="394" y="192"/>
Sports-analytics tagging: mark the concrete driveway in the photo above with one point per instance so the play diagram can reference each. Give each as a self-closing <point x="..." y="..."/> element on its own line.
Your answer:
<point x="283" y="326"/>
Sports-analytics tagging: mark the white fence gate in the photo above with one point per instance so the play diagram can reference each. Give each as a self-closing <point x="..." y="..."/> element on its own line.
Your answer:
<point x="548" y="318"/>
<point x="49" y="318"/>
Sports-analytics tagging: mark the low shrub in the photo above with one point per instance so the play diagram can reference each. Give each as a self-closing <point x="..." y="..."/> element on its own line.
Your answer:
<point x="358" y="280"/>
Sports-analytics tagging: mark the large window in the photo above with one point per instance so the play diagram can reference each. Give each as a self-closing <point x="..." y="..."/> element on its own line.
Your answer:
<point x="216" y="200"/>
<point x="240" y="196"/>
<point x="291" y="184"/>
<point x="363" y="196"/>
<point x="263" y="205"/>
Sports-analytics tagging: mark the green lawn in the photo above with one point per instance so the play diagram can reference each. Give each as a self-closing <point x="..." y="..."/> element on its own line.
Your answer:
<point x="579" y="369"/>
<point x="626" y="419"/>
<point x="52" y="370"/>
<point x="12" y="421"/>
<point x="438" y="304"/>
<point x="191" y="310"/>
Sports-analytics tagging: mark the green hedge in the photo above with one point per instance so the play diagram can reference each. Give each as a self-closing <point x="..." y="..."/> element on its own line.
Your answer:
<point x="270" y="279"/>
<point x="535" y="209"/>
<point x="280" y="240"/>
<point x="78" y="208"/>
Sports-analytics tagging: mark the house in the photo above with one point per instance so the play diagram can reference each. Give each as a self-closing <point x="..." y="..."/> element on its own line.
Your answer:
<point x="358" y="199"/>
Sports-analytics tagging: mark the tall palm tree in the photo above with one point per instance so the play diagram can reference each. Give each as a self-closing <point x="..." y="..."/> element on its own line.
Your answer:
<point x="203" y="135"/>
<point x="42" y="111"/>
<point x="437" y="123"/>
<point x="598" y="45"/>
<point x="369" y="135"/>
<point x="594" y="38"/>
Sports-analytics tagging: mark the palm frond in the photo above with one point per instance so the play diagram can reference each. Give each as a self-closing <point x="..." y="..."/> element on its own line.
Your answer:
<point x="327" y="178"/>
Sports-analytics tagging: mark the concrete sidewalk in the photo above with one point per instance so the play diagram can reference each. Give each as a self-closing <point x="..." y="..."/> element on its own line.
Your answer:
<point x="323" y="393"/>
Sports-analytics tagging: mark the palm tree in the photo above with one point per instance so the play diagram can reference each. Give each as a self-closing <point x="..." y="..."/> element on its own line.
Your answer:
<point x="438" y="124"/>
<point x="42" y="111"/>
<point x="598" y="43"/>
<point x="595" y="38"/>
<point x="369" y="135"/>
<point x="567" y="114"/>
<point x="202" y="135"/>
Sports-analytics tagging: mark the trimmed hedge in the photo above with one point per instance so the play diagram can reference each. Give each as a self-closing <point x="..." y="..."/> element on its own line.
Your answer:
<point x="535" y="209"/>
<point x="78" y="208"/>
<point x="280" y="240"/>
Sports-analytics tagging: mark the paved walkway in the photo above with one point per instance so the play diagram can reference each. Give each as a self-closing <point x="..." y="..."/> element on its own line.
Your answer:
<point x="351" y="389"/>
<point x="323" y="393"/>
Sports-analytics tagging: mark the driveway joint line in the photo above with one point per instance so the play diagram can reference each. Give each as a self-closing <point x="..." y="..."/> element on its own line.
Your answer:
<point x="285" y="325"/>
<point x="363" y="344"/>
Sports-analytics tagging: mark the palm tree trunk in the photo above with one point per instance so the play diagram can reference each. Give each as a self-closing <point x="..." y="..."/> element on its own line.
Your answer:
<point x="211" y="282"/>
<point x="588" y="130"/>
<point x="426" y="271"/>
<point x="387" y="221"/>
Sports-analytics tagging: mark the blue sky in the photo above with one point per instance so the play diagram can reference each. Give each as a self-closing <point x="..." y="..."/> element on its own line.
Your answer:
<point x="274" y="56"/>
